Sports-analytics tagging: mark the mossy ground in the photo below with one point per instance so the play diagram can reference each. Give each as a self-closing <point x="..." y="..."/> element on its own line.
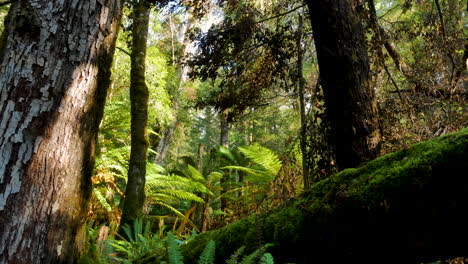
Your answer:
<point x="407" y="206"/>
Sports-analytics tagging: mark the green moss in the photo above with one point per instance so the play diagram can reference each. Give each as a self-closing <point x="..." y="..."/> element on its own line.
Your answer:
<point x="372" y="182"/>
<point x="361" y="213"/>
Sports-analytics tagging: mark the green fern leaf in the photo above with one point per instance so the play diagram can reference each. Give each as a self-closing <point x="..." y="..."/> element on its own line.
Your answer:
<point x="173" y="251"/>
<point x="102" y="200"/>
<point x="208" y="255"/>
<point x="195" y="174"/>
<point x="258" y="175"/>
<point x="267" y="259"/>
<point x="226" y="153"/>
<point x="263" y="157"/>
<point x="235" y="256"/>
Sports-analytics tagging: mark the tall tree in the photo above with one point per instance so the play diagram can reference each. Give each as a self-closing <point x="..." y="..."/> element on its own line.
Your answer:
<point x="301" y="86"/>
<point x="139" y="96"/>
<point x="54" y="75"/>
<point x="344" y="74"/>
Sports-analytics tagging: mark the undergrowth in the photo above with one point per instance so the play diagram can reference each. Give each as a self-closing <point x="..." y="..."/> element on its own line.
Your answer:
<point x="141" y="241"/>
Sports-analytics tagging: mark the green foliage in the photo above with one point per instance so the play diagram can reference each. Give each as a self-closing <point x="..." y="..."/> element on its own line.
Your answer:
<point x="267" y="258"/>
<point x="140" y="240"/>
<point x="266" y="161"/>
<point x="208" y="255"/>
<point x="173" y="251"/>
<point x="235" y="256"/>
<point x="102" y="200"/>
<point x="258" y="256"/>
<point x="169" y="188"/>
<point x="92" y="255"/>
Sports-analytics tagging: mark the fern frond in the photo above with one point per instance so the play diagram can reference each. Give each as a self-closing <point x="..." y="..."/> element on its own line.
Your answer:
<point x="156" y="198"/>
<point x="159" y="181"/>
<point x="173" y="251"/>
<point x="235" y="256"/>
<point x="137" y="228"/>
<point x="181" y="195"/>
<point x="214" y="177"/>
<point x="262" y="156"/>
<point x="102" y="200"/>
<point x="153" y="168"/>
<point x="267" y="258"/>
<point x="195" y="174"/>
<point x="252" y="258"/>
<point x="208" y="255"/>
<point x="226" y="153"/>
<point x="259" y="175"/>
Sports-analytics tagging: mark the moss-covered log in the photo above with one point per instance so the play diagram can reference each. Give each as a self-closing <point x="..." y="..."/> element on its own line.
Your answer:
<point x="405" y="207"/>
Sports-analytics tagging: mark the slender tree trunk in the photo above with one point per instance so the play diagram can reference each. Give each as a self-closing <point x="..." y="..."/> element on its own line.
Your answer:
<point x="345" y="78"/>
<point x="224" y="141"/>
<point x="164" y="143"/>
<point x="135" y="191"/>
<point x="54" y="75"/>
<point x="224" y="129"/>
<point x="301" y="85"/>
<point x="206" y="215"/>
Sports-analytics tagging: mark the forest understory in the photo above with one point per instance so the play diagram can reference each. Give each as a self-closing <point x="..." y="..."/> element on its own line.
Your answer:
<point x="233" y="131"/>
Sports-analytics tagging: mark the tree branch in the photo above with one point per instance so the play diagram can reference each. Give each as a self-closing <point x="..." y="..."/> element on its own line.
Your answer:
<point x="280" y="15"/>
<point x="391" y="79"/>
<point x="124" y="51"/>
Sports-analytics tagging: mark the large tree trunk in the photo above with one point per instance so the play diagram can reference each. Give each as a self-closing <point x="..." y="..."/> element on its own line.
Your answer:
<point x="54" y="75"/>
<point x="135" y="190"/>
<point x="405" y="207"/>
<point x="344" y="73"/>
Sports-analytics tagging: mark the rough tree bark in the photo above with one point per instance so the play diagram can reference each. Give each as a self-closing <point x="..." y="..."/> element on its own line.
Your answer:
<point x="344" y="73"/>
<point x="55" y="70"/>
<point x="139" y="95"/>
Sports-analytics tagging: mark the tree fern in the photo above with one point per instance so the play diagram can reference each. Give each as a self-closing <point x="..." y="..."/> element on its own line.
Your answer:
<point x="266" y="161"/>
<point x="184" y="195"/>
<point x="256" y="175"/>
<point x="227" y="154"/>
<point x="195" y="174"/>
<point x="208" y="255"/>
